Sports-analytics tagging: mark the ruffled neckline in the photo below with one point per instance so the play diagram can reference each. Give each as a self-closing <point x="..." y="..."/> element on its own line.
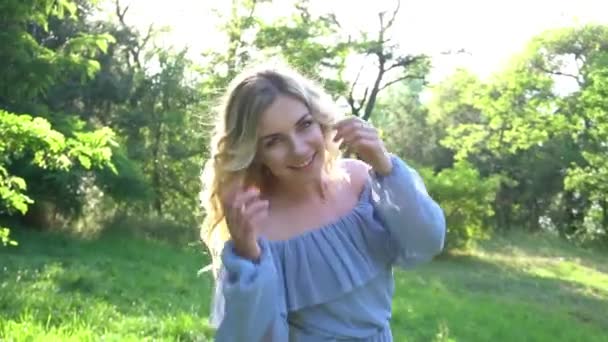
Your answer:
<point x="322" y="264"/>
<point x="363" y="202"/>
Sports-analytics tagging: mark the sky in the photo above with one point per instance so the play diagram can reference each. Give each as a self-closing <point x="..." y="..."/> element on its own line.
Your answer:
<point x="491" y="31"/>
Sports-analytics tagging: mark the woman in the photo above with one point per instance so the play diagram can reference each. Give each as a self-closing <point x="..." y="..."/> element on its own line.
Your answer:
<point x="303" y="240"/>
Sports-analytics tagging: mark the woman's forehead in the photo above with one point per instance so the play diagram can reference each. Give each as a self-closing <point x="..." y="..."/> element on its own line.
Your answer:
<point x="282" y="114"/>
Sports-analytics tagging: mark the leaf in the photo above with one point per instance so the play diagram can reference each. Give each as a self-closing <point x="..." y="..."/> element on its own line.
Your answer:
<point x="85" y="161"/>
<point x="18" y="182"/>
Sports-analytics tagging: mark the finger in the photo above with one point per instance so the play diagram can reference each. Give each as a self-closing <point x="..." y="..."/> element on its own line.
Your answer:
<point x="367" y="143"/>
<point x="354" y="137"/>
<point x="340" y="135"/>
<point x="354" y="126"/>
<point x="349" y="123"/>
<point x="363" y="145"/>
<point x="345" y="122"/>
<point x="244" y="198"/>
<point x="343" y="131"/>
<point x="234" y="222"/>
<point x="346" y="125"/>
<point x="236" y="217"/>
<point x="253" y="216"/>
<point x="255" y="207"/>
<point x="256" y="218"/>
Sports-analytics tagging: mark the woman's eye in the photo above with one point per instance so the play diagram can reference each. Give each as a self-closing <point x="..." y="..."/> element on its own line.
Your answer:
<point x="307" y="123"/>
<point x="270" y="142"/>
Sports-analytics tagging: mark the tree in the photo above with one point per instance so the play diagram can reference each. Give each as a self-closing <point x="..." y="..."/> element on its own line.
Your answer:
<point x="312" y="44"/>
<point x="542" y="141"/>
<point x="391" y="67"/>
<point x="36" y="62"/>
<point x="23" y="137"/>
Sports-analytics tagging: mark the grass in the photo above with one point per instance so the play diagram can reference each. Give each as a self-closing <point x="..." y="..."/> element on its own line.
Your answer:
<point x="53" y="287"/>
<point x="116" y="288"/>
<point x="513" y="288"/>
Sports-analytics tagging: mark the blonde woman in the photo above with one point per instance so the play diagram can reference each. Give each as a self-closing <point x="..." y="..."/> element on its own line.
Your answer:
<point x="303" y="240"/>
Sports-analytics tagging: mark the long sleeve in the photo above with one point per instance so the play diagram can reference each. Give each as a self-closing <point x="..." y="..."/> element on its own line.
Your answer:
<point x="415" y="221"/>
<point x="247" y="305"/>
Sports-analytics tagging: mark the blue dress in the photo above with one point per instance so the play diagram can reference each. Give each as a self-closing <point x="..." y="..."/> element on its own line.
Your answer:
<point x="334" y="283"/>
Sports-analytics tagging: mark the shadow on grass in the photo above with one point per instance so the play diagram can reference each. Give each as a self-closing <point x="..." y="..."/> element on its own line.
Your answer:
<point x="544" y="245"/>
<point x="469" y="274"/>
<point x="468" y="298"/>
<point x="104" y="282"/>
<point x="150" y="286"/>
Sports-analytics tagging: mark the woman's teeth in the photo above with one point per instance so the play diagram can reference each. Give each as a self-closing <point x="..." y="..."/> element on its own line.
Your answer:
<point x="306" y="163"/>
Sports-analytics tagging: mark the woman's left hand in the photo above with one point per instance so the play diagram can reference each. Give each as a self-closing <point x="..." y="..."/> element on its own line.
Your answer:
<point x="362" y="138"/>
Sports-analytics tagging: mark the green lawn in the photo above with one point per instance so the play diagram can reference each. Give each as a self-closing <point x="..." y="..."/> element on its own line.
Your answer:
<point x="517" y="288"/>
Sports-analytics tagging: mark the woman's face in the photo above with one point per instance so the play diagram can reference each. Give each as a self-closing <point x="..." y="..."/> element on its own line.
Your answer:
<point x="290" y="142"/>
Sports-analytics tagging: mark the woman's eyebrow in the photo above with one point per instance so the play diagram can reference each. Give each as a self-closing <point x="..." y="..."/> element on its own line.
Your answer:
<point x="302" y="118"/>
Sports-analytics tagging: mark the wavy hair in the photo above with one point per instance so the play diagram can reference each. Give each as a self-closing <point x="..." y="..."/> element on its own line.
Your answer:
<point x="234" y="141"/>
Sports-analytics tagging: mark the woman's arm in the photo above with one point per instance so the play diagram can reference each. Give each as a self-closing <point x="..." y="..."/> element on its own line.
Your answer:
<point x="414" y="220"/>
<point x="248" y="302"/>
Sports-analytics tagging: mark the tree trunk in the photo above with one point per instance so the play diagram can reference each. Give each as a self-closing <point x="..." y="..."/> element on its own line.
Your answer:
<point x="156" y="171"/>
<point x="604" y="204"/>
<point x="369" y="107"/>
<point x="533" y="224"/>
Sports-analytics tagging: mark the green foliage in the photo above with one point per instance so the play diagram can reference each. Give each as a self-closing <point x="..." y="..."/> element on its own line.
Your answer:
<point x="11" y="193"/>
<point x="466" y="199"/>
<point x="312" y="44"/>
<point x="31" y="68"/>
<point x="408" y="128"/>
<point x="239" y="28"/>
<point x="33" y="141"/>
<point x="88" y="77"/>
<point x="510" y="119"/>
<point x="453" y="102"/>
<point x="168" y="144"/>
<point x="5" y="238"/>
<point x="547" y="145"/>
<point x="24" y="136"/>
<point x="591" y="177"/>
<point x="117" y="120"/>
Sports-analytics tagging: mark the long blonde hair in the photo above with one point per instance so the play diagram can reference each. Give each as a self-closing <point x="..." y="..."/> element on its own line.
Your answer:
<point x="234" y="141"/>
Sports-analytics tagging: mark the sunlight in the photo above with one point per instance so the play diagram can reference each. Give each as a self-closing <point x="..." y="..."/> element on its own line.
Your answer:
<point x="119" y="125"/>
<point x="488" y="32"/>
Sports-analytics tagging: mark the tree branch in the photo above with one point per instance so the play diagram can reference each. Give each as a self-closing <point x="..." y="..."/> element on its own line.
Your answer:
<point x="351" y="100"/>
<point x="134" y="51"/>
<point x="236" y="38"/>
<point x="355" y="109"/>
<point x="386" y="26"/>
<point x="121" y="13"/>
<point x="392" y="19"/>
<point x="405" y="61"/>
<point x="402" y="78"/>
<point x="559" y="73"/>
<point x="364" y="97"/>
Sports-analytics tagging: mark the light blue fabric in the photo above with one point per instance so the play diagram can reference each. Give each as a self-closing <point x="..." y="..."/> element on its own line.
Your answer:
<point x="334" y="283"/>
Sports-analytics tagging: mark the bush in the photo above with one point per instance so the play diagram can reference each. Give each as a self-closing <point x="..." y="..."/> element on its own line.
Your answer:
<point x="34" y="153"/>
<point x="466" y="199"/>
<point x="154" y="228"/>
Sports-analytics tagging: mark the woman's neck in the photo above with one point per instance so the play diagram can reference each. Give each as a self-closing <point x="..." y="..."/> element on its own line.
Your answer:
<point x="297" y="193"/>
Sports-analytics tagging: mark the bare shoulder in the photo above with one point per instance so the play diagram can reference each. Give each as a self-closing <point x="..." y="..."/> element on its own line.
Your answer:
<point x="357" y="171"/>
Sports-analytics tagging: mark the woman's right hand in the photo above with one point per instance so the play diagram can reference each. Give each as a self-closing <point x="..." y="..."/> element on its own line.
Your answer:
<point x="245" y="212"/>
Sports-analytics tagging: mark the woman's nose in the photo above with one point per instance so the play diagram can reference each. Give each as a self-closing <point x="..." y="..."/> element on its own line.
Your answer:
<point x="299" y="147"/>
